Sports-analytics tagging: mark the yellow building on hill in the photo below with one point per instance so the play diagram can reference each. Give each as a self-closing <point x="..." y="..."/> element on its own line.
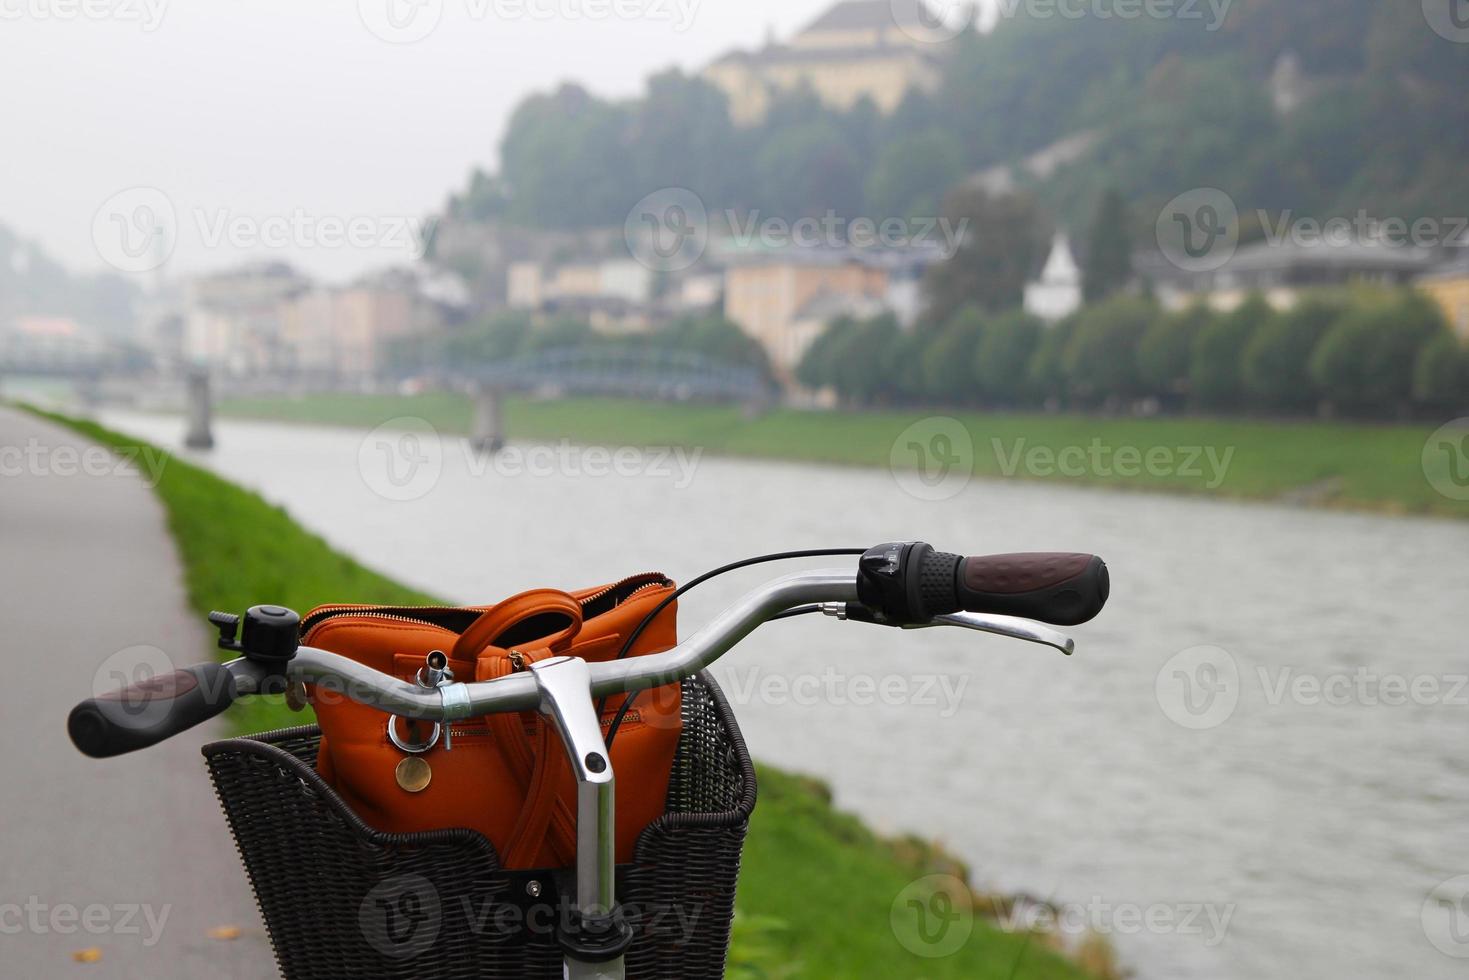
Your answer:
<point x="857" y="49"/>
<point x="1450" y="289"/>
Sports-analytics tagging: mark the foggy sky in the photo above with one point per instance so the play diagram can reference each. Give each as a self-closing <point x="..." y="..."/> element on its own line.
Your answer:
<point x="246" y="111"/>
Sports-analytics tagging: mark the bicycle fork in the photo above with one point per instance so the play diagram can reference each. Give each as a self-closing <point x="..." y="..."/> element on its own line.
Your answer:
<point x="596" y="935"/>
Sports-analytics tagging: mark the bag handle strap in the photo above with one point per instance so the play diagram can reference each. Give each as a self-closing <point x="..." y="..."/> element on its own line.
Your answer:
<point x="541" y="617"/>
<point x="536" y="624"/>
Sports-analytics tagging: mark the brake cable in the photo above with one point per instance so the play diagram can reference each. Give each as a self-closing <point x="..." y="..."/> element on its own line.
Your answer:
<point x="733" y="566"/>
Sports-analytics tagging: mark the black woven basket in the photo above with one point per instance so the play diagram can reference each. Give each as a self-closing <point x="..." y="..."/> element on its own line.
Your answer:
<point x="342" y="900"/>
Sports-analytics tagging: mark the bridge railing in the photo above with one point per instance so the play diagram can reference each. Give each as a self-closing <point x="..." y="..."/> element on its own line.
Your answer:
<point x="634" y="372"/>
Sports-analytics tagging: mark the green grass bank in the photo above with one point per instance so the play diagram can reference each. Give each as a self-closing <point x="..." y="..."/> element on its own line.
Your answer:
<point x="817" y="887"/>
<point x="1366" y="467"/>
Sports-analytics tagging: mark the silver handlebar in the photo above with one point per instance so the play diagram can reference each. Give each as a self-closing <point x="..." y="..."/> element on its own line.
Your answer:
<point x="520" y="692"/>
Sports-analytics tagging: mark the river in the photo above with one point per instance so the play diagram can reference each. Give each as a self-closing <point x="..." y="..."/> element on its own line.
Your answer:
<point x="1299" y="834"/>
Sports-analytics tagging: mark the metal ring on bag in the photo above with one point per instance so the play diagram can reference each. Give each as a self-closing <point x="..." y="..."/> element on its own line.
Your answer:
<point x="410" y="747"/>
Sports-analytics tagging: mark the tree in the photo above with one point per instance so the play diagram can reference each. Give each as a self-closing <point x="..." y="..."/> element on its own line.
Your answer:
<point x="1342" y="361"/>
<point x="866" y="366"/>
<point x="1219" y="351"/>
<point x="1101" y="359"/>
<point x="1276" y="366"/>
<point x="808" y="171"/>
<point x="565" y="161"/>
<point x="563" y="331"/>
<point x="716" y="338"/>
<point x="1366" y="364"/>
<point x="495" y="338"/>
<point x="1415" y="321"/>
<point x="817" y="368"/>
<point x="1046" y="373"/>
<point x="1002" y="360"/>
<point x="680" y="135"/>
<point x="1109" y="249"/>
<point x="486" y="198"/>
<point x="858" y="358"/>
<point x="1002" y="239"/>
<point x="1441" y="376"/>
<point x="1165" y="355"/>
<point x="910" y="176"/>
<point x="946" y="357"/>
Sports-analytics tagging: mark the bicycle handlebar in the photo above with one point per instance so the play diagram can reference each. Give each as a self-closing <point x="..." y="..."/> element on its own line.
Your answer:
<point x="910" y="582"/>
<point x="150" y="711"/>
<point x="905" y="584"/>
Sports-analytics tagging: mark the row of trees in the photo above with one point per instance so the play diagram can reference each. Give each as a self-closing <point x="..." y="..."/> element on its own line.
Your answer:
<point x="1365" y="354"/>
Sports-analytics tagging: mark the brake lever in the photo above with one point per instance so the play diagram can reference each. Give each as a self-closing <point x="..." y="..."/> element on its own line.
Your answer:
<point x="1011" y="626"/>
<point x="1008" y="626"/>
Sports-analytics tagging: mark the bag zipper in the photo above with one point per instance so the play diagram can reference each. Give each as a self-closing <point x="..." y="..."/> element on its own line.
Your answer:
<point x="645" y="580"/>
<point x="378" y="612"/>
<point x="406" y="614"/>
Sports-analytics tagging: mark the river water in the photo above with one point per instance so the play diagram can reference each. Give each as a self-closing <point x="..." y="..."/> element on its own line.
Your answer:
<point x="1293" y="824"/>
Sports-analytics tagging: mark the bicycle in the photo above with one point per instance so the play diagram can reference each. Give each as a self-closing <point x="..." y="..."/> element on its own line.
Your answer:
<point x="905" y="585"/>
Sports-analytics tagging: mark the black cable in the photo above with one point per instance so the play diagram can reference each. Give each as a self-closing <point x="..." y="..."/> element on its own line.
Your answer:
<point x="798" y="611"/>
<point x="668" y="600"/>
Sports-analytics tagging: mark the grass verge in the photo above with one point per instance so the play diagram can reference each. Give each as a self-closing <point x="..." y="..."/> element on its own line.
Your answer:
<point x="1369" y="467"/>
<point x="817" y="888"/>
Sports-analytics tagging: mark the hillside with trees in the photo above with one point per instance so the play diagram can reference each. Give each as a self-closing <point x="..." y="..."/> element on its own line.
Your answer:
<point x="1164" y="106"/>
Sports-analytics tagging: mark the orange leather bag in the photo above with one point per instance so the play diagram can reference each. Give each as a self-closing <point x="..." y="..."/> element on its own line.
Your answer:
<point x="507" y="775"/>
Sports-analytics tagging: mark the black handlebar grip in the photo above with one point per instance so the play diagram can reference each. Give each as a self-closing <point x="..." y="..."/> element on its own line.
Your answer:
<point x="1060" y="589"/>
<point x="150" y="711"/>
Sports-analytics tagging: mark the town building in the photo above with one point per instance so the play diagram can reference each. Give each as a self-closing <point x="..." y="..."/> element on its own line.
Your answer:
<point x="859" y="49"/>
<point x="1449" y="287"/>
<point x="1283" y="271"/>
<point x="534" y="285"/>
<point x="785" y="298"/>
<point x="615" y="295"/>
<point x="48" y="341"/>
<point x="233" y="320"/>
<point x="1058" y="292"/>
<point x="268" y="320"/>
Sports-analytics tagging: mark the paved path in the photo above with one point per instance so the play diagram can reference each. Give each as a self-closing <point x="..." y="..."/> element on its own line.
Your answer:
<point x="88" y="849"/>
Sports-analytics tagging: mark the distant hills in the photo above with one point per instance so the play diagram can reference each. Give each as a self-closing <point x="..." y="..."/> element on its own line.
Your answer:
<point x="32" y="284"/>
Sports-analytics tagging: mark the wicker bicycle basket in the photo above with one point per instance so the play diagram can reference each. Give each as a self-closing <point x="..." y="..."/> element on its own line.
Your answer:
<point x="342" y="900"/>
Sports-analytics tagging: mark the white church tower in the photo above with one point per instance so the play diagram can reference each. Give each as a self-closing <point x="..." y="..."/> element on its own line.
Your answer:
<point x="1057" y="294"/>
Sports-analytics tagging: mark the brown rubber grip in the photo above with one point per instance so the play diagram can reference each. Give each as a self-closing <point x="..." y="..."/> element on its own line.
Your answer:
<point x="1060" y="589"/>
<point x="164" y="687"/>
<point x="1011" y="574"/>
<point x="148" y="712"/>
